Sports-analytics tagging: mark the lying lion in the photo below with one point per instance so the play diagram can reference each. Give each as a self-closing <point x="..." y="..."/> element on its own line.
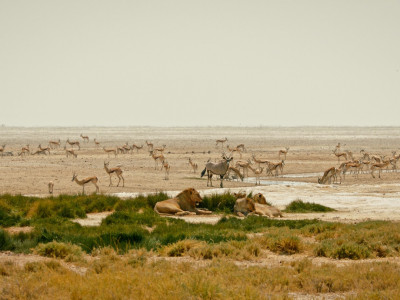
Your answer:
<point x="262" y="208"/>
<point x="256" y="206"/>
<point x="183" y="204"/>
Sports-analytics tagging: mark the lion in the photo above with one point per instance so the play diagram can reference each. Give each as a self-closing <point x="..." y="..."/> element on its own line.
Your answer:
<point x="244" y="206"/>
<point x="239" y="195"/>
<point x="183" y="204"/>
<point x="262" y="207"/>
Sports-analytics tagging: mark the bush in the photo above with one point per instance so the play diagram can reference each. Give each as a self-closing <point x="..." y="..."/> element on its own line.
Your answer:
<point x="299" y="206"/>
<point x="59" y="250"/>
<point x="222" y="203"/>
<point x="5" y="241"/>
<point x="351" y="250"/>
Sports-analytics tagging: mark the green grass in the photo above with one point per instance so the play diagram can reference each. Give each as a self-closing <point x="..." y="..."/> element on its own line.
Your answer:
<point x="298" y="206"/>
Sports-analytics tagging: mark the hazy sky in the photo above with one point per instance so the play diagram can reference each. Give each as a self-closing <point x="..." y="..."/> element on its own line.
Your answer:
<point x="189" y="63"/>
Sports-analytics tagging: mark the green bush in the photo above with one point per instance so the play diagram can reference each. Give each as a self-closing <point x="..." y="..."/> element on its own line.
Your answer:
<point x="59" y="250"/>
<point x="299" y="206"/>
<point x="5" y="241"/>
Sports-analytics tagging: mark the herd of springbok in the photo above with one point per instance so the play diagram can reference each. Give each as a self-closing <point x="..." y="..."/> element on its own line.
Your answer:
<point x="365" y="163"/>
<point x="225" y="169"/>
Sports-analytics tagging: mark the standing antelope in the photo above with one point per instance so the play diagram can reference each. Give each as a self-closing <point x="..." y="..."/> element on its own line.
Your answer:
<point x="108" y="151"/>
<point x="220" y="142"/>
<point x="149" y="145"/>
<point x="339" y="155"/>
<point x="157" y="158"/>
<point x="55" y="144"/>
<point x="193" y="165"/>
<point x="284" y="152"/>
<point x="236" y="149"/>
<point x="69" y="152"/>
<point x="244" y="165"/>
<point x="117" y="171"/>
<point x="160" y="149"/>
<point x="82" y="182"/>
<point x="44" y="149"/>
<point x="136" y="147"/>
<point x="167" y="167"/>
<point x="72" y="144"/>
<point x="274" y="167"/>
<point x="260" y="161"/>
<point x="257" y="172"/>
<point x="85" y="138"/>
<point x="379" y="166"/>
<point x="2" y="149"/>
<point x="217" y="168"/>
<point x="25" y="150"/>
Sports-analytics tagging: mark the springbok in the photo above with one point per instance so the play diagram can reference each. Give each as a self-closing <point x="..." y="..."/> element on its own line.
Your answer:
<point x="260" y="161"/>
<point x="244" y="165"/>
<point x="25" y="150"/>
<point x="274" y="167"/>
<point x="327" y="177"/>
<point x="236" y="149"/>
<point x="69" y="152"/>
<point x="284" y="152"/>
<point x="117" y="171"/>
<point x="2" y="149"/>
<point x="149" y="145"/>
<point x="167" y="167"/>
<point x="160" y="149"/>
<point x="82" y="182"/>
<point x="136" y="147"/>
<point x="44" y="149"/>
<point x="193" y="165"/>
<point x="217" y="142"/>
<point x="85" y="138"/>
<point x="217" y="168"/>
<point x="379" y="166"/>
<point x="257" y="172"/>
<point x="97" y="143"/>
<point x="55" y="144"/>
<point x="339" y="155"/>
<point x="108" y="151"/>
<point x="74" y="143"/>
<point x="157" y="158"/>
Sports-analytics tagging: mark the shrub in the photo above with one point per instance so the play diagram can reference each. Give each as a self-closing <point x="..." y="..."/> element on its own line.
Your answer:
<point x="351" y="250"/>
<point x="5" y="241"/>
<point x="223" y="203"/>
<point x="299" y="206"/>
<point x="59" y="250"/>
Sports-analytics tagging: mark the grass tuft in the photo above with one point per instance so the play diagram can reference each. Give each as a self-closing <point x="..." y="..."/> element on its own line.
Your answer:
<point x="298" y="206"/>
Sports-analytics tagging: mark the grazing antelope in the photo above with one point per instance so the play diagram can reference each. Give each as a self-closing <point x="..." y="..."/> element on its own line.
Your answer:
<point x="157" y="158"/>
<point x="136" y="147"/>
<point x="217" y="168"/>
<point x="44" y="149"/>
<point x="74" y="143"/>
<point x="167" y="167"/>
<point x="108" y="151"/>
<point x="260" y="161"/>
<point x="284" y="152"/>
<point x="50" y="185"/>
<point x="193" y="165"/>
<point x="69" y="152"/>
<point x="244" y="165"/>
<point x="149" y="145"/>
<point x="220" y="142"/>
<point x="25" y="150"/>
<point x="257" y="172"/>
<point x="339" y="155"/>
<point x="376" y="158"/>
<point x="238" y="150"/>
<point x="55" y="144"/>
<point x="329" y="174"/>
<point x="274" y="167"/>
<point x="85" y="138"/>
<point x="379" y="166"/>
<point x="96" y="143"/>
<point x="82" y="182"/>
<point x="2" y="149"/>
<point x="117" y="171"/>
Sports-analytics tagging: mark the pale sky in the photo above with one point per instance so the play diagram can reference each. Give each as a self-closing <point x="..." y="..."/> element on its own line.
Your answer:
<point x="199" y="63"/>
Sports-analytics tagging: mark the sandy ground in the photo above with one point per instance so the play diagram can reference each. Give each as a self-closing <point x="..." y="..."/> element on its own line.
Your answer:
<point x="309" y="155"/>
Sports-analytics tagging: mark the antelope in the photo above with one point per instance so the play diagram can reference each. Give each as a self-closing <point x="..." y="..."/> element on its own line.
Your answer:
<point x="329" y="174"/>
<point x="38" y="151"/>
<point x="349" y="154"/>
<point x="136" y="147"/>
<point x="376" y="158"/>
<point x="96" y="143"/>
<point x="167" y="167"/>
<point x="284" y="152"/>
<point x="257" y="172"/>
<point x="339" y="155"/>
<point x="82" y="182"/>
<point x="193" y="165"/>
<point x="25" y="150"/>
<point x="85" y="138"/>
<point x="236" y="171"/>
<point x="55" y="144"/>
<point x="220" y="142"/>
<point x="234" y="150"/>
<point x="365" y="155"/>
<point x="157" y="158"/>
<point x="379" y="166"/>
<point x="274" y="167"/>
<point x="217" y="168"/>
<point x="260" y="161"/>
<point x="50" y="185"/>
<point x="108" y="151"/>
<point x="244" y="165"/>
<point x="69" y="152"/>
<point x="2" y="149"/>
<point x="160" y="149"/>
<point x="149" y="145"/>
<point x="72" y="144"/>
<point x="241" y="146"/>
<point x="353" y="165"/>
<point x="44" y="149"/>
<point x="121" y="150"/>
<point x="117" y="171"/>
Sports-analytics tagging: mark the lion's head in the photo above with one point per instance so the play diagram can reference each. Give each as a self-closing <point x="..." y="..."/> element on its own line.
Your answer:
<point x="250" y="207"/>
<point x="191" y="196"/>
<point x="239" y="195"/>
<point x="259" y="198"/>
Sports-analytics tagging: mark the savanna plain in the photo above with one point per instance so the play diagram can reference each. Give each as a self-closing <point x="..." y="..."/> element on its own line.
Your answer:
<point x="339" y="239"/>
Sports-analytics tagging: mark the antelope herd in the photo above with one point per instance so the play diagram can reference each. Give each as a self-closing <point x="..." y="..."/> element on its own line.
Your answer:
<point x="225" y="167"/>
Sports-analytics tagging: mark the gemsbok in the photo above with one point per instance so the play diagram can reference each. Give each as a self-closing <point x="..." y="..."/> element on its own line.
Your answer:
<point x="217" y="168"/>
